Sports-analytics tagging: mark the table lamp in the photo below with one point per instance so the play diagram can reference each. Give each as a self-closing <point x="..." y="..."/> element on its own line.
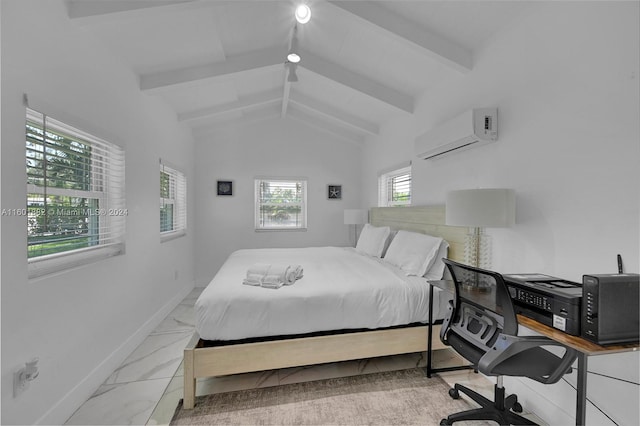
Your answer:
<point x="356" y="217"/>
<point x="479" y="209"/>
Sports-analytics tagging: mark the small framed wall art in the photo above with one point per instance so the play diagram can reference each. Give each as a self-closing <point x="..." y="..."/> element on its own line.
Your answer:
<point x="334" y="192"/>
<point x="225" y="187"/>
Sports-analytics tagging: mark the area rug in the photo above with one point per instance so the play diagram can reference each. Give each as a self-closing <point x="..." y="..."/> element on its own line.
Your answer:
<point x="404" y="397"/>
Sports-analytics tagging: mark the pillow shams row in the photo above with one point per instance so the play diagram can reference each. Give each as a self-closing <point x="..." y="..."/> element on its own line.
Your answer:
<point x="372" y="240"/>
<point x="412" y="252"/>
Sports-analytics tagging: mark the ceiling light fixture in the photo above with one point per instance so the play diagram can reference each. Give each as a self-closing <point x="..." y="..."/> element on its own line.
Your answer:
<point x="303" y="13"/>
<point x="293" y="55"/>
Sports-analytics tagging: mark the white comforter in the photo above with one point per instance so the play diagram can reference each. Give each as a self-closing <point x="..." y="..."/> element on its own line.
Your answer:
<point x="340" y="289"/>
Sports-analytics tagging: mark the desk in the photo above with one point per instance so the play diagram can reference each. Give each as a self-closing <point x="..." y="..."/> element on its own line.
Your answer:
<point x="584" y="347"/>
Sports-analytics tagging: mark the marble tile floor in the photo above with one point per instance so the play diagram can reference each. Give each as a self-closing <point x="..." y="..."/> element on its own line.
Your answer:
<point x="146" y="388"/>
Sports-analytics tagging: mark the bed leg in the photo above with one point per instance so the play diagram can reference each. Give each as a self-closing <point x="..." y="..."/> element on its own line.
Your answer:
<point x="189" y="397"/>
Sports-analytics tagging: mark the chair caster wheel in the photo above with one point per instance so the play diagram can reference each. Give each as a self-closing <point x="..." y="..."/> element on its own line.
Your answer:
<point x="517" y="408"/>
<point x="444" y="422"/>
<point x="453" y="393"/>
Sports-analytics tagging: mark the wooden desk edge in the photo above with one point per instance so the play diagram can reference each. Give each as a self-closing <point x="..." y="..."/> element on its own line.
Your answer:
<point x="576" y="342"/>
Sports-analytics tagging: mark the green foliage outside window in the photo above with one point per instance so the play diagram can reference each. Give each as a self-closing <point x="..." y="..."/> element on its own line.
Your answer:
<point x="166" y="209"/>
<point x="59" y="217"/>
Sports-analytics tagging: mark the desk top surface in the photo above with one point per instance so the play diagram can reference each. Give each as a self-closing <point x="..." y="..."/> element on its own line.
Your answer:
<point x="575" y="342"/>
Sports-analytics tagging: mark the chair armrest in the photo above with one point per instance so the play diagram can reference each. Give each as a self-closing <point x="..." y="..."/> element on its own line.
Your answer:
<point x="446" y="323"/>
<point x="507" y="346"/>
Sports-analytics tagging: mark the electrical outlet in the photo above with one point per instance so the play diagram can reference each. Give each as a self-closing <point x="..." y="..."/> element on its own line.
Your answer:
<point x="24" y="375"/>
<point x="20" y="382"/>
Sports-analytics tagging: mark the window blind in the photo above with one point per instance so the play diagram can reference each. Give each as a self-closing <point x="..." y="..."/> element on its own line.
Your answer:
<point x="395" y="188"/>
<point x="173" y="202"/>
<point x="280" y="204"/>
<point x="75" y="196"/>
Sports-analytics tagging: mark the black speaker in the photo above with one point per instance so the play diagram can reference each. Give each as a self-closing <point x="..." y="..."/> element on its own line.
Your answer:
<point x="610" y="311"/>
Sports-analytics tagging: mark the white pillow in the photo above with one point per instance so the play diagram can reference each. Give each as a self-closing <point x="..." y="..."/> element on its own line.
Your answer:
<point x="392" y="233"/>
<point x="436" y="270"/>
<point x="372" y="240"/>
<point x="412" y="252"/>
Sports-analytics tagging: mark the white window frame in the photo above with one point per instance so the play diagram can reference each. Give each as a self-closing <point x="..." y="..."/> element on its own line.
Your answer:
<point x="259" y="223"/>
<point x="177" y="198"/>
<point x="386" y="186"/>
<point x="107" y="187"/>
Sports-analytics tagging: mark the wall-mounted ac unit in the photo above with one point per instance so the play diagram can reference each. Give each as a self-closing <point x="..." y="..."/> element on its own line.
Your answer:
<point x="472" y="128"/>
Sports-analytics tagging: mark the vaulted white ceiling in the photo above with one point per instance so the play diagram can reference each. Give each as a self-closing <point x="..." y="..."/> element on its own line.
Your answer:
<point x="219" y="63"/>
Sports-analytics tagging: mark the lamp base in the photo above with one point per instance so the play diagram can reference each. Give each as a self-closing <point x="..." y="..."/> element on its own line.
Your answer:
<point x="477" y="249"/>
<point x="476" y="287"/>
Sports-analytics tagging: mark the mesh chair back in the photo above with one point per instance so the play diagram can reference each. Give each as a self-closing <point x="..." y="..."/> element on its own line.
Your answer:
<point x="482" y="307"/>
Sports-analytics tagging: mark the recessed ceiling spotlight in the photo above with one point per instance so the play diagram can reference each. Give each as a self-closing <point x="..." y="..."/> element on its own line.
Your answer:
<point x="303" y="13"/>
<point x="293" y="57"/>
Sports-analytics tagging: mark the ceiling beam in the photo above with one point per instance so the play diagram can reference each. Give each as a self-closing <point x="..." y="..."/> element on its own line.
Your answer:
<point x="246" y="118"/>
<point x="285" y="99"/>
<point x="286" y="91"/>
<point x="263" y="114"/>
<point x="266" y="99"/>
<point x="347" y="120"/>
<point x="335" y="131"/>
<point x="266" y="58"/>
<point x="357" y="82"/>
<point x="100" y="11"/>
<point x="258" y="100"/>
<point x="268" y="112"/>
<point x="434" y="45"/>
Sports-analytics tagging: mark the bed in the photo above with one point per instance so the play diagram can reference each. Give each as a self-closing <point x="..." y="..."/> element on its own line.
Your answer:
<point x="347" y="305"/>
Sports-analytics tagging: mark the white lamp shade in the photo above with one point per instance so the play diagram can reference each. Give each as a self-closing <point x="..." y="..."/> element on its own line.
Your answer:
<point x="356" y="217"/>
<point x="483" y="208"/>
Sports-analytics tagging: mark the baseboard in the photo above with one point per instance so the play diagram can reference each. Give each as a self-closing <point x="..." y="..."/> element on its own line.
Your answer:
<point x="70" y="402"/>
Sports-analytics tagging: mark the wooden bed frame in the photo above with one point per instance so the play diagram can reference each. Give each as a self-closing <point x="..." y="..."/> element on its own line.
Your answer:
<point x="203" y="361"/>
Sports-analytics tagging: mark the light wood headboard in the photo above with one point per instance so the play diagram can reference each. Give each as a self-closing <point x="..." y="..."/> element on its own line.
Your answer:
<point x="427" y="220"/>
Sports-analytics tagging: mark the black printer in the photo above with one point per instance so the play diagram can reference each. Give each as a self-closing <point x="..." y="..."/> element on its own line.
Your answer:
<point x="552" y="301"/>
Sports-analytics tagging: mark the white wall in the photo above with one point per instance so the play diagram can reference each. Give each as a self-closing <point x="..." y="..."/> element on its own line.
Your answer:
<point x="565" y="80"/>
<point x="274" y="148"/>
<point x="82" y="323"/>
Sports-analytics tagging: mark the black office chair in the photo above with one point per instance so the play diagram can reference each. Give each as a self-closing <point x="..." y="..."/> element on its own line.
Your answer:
<point x="482" y="326"/>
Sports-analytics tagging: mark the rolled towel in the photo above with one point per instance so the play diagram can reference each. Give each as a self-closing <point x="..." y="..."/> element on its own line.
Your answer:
<point x="293" y="274"/>
<point x="288" y="274"/>
<point x="280" y="272"/>
<point x="272" y="275"/>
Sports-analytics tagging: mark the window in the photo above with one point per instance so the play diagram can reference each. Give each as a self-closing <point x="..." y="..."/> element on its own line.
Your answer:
<point x="281" y="204"/>
<point x="75" y="196"/>
<point x="173" y="202"/>
<point x="394" y="188"/>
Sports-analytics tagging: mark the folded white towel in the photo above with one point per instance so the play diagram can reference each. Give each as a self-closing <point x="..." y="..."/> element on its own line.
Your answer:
<point x="253" y="279"/>
<point x="272" y="275"/>
<point x="260" y="269"/>
<point x="272" y="281"/>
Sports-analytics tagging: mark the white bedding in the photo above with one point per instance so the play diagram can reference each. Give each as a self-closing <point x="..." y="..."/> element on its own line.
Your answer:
<point x="340" y="289"/>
